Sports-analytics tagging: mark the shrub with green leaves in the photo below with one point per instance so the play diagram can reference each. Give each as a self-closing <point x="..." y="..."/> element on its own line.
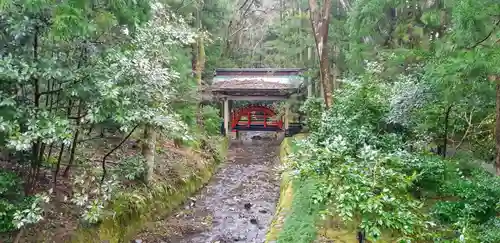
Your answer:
<point x="93" y="197"/>
<point x="475" y="199"/>
<point x="313" y="109"/>
<point x="31" y="210"/>
<point x="10" y="196"/>
<point x="353" y="162"/>
<point x="211" y="120"/>
<point x="369" y="177"/>
<point x="131" y="168"/>
<point x="17" y="210"/>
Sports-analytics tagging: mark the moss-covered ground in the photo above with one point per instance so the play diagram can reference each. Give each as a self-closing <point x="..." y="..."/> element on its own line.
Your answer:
<point x="136" y="207"/>
<point x="297" y="218"/>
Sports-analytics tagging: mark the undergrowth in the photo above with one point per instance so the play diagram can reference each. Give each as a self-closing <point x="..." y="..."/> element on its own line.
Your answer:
<point x="382" y="180"/>
<point x="133" y="207"/>
<point x="300" y="224"/>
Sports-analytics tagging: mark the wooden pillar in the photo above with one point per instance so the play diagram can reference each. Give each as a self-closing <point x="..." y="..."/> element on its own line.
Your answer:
<point x="226" y="116"/>
<point x="287" y="114"/>
<point x="309" y="80"/>
<point x="249" y="119"/>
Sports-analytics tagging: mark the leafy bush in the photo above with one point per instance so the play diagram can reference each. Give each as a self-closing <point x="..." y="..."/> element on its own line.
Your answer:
<point x="354" y="163"/>
<point x="211" y="120"/>
<point x="17" y="210"/>
<point x="475" y="199"/>
<point x="10" y="196"/>
<point x="313" y="109"/>
<point x="93" y="197"/>
<point x="488" y="232"/>
<point x="10" y="185"/>
<point x="31" y="211"/>
<point x="431" y="171"/>
<point x="131" y="168"/>
<point x="370" y="177"/>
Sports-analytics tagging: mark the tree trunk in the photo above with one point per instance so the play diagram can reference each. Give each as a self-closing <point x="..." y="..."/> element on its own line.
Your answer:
<point x="17" y="239"/>
<point x="200" y="65"/>
<point x="309" y="80"/>
<point x="58" y="166"/>
<point x="320" y="18"/>
<point x="75" y="142"/>
<point x="497" y="129"/>
<point x="444" y="146"/>
<point x="148" y="151"/>
<point x="325" y="80"/>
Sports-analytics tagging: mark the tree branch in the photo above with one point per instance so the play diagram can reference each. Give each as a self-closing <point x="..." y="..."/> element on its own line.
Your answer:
<point x="466" y="133"/>
<point x="485" y="38"/>
<point x="103" y="162"/>
<point x="51" y="91"/>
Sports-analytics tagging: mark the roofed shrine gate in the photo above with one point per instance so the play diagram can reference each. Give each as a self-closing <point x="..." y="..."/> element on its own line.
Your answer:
<point x="256" y="84"/>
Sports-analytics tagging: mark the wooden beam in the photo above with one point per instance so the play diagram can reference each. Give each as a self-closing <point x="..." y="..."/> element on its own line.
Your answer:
<point x="229" y="97"/>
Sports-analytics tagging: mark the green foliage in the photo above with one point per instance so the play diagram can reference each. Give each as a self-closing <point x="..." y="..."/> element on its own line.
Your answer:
<point x="10" y="196"/>
<point x="438" y="56"/>
<point x="93" y="199"/>
<point x="131" y="167"/>
<point x="476" y="198"/>
<point x="69" y="67"/>
<point x="488" y="232"/>
<point x="16" y="209"/>
<point x="31" y="212"/>
<point x="382" y="180"/>
<point x="10" y="185"/>
<point x="211" y="120"/>
<point x="352" y="161"/>
<point x="313" y="109"/>
<point x="300" y="223"/>
<point x="94" y="74"/>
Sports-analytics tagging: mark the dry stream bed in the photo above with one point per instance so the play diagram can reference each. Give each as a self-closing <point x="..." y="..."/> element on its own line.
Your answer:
<point x="238" y="203"/>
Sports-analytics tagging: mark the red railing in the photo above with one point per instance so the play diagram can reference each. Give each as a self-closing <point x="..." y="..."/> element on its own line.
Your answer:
<point x="255" y="115"/>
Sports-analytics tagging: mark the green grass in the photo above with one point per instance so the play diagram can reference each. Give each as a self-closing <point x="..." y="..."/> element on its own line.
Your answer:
<point x="300" y="223"/>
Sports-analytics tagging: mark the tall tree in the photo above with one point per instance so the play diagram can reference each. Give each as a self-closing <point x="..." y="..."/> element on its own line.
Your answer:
<point x="148" y="151"/>
<point x="497" y="129"/>
<point x="200" y="59"/>
<point x="320" y="19"/>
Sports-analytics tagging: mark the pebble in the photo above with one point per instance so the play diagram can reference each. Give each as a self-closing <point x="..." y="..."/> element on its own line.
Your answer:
<point x="248" y="206"/>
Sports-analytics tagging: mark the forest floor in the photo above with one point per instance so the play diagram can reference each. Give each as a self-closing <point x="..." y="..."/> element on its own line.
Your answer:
<point x="237" y="205"/>
<point x="61" y="218"/>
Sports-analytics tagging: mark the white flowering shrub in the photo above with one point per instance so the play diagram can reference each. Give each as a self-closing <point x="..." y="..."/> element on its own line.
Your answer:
<point x="138" y="84"/>
<point x="34" y="213"/>
<point x="93" y="197"/>
<point x="406" y="96"/>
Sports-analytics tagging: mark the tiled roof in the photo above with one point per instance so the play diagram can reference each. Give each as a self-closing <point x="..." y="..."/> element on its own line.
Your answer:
<point x="259" y="70"/>
<point x="250" y="84"/>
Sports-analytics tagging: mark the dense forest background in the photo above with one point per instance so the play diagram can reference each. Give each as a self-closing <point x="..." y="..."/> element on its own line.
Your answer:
<point x="96" y="95"/>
